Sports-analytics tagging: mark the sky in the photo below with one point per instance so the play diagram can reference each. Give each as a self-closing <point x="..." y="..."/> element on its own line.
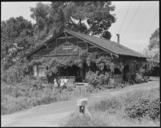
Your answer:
<point x="135" y="20"/>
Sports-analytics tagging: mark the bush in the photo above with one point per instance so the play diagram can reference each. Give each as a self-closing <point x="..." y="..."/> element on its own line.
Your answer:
<point x="92" y="78"/>
<point x="139" y="105"/>
<point x="91" y="89"/>
<point x="12" y="75"/>
<point x="103" y="79"/>
<point x="96" y="80"/>
<point x="144" y="108"/>
<point x="15" y="74"/>
<point x="154" y="109"/>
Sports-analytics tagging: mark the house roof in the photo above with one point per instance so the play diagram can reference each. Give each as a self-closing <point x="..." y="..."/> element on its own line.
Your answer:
<point x="107" y="45"/>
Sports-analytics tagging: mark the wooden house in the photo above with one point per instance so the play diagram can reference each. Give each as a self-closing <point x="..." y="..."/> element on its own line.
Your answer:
<point x="71" y="44"/>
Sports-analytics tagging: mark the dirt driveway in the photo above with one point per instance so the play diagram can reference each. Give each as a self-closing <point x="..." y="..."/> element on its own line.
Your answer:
<point x="55" y="114"/>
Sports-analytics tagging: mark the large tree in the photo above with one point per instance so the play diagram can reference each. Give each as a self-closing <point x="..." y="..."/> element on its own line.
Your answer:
<point x="41" y="15"/>
<point x="154" y="45"/>
<point x="60" y="15"/>
<point x="16" y="38"/>
<point x="19" y="35"/>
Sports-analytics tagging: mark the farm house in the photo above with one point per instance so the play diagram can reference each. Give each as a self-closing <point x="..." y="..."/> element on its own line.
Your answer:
<point x="83" y="53"/>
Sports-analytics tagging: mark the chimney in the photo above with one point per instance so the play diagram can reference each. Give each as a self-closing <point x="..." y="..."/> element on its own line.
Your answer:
<point x="118" y="38"/>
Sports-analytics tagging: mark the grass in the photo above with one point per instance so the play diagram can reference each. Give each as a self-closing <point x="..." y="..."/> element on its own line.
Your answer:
<point x="24" y="95"/>
<point x="114" y="111"/>
<point x="108" y="112"/>
<point x="83" y="120"/>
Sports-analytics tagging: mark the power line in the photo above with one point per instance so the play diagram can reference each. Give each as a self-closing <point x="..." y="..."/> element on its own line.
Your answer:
<point x="151" y="25"/>
<point x="126" y="13"/>
<point x="132" y="19"/>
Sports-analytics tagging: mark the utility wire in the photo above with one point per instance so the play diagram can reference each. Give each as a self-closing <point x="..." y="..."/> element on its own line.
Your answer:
<point x="126" y="14"/>
<point x="133" y="17"/>
<point x="151" y="25"/>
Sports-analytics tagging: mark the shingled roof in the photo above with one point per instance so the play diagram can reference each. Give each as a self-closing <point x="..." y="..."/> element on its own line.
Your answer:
<point x="108" y="45"/>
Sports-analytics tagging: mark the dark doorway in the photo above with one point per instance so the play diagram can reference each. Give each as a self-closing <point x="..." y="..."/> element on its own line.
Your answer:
<point x="72" y="70"/>
<point x="125" y="72"/>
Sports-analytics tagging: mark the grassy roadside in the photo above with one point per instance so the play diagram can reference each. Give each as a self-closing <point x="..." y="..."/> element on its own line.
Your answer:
<point x="25" y="95"/>
<point x="139" y="108"/>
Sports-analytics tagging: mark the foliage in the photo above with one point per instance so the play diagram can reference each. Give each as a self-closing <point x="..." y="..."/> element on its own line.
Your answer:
<point x="111" y="105"/>
<point x="154" y="71"/>
<point x="112" y="111"/>
<point x="16" y="39"/>
<point x="154" y="45"/>
<point x="91" y="78"/>
<point x="144" y="107"/>
<point x="97" y="80"/>
<point x="40" y="15"/>
<point x="29" y="93"/>
<point x="60" y="15"/>
<point x="19" y="35"/>
<point x="14" y="74"/>
<point x="91" y="89"/>
<point x="154" y="40"/>
<point x="95" y="13"/>
<point x="77" y="120"/>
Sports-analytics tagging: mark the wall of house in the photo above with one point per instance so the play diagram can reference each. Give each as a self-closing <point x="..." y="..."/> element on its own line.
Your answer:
<point x="35" y="69"/>
<point x="73" y="46"/>
<point x="39" y="71"/>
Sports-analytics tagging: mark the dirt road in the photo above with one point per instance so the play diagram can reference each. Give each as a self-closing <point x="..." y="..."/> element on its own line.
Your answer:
<point x="55" y="114"/>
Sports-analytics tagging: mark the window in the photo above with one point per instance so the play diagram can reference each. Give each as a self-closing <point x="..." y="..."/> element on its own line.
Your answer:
<point x="117" y="71"/>
<point x="35" y="70"/>
<point x="41" y="71"/>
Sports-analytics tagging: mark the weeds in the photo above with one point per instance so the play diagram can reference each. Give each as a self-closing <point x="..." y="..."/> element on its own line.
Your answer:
<point x="83" y="120"/>
<point x="138" y="108"/>
<point x="32" y="93"/>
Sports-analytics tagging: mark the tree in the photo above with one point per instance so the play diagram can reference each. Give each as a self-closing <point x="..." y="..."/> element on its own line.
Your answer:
<point x="154" y="44"/>
<point x="154" y="40"/>
<point x="40" y="15"/>
<point x="98" y="16"/>
<point x="16" y="38"/>
<point x="60" y="15"/>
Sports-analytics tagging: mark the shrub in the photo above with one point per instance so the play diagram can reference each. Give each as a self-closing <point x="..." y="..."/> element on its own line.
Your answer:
<point x="154" y="109"/>
<point x="12" y="75"/>
<point x="103" y="79"/>
<point x="91" y="89"/>
<point x="139" y="105"/>
<point x="144" y="108"/>
<point x="142" y="104"/>
<point x="95" y="79"/>
<point x="15" y="74"/>
<point x="92" y="78"/>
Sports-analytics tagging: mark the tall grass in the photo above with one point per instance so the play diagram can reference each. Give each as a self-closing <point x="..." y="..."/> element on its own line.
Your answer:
<point x="27" y="94"/>
<point x="83" y="120"/>
<point x="138" y="108"/>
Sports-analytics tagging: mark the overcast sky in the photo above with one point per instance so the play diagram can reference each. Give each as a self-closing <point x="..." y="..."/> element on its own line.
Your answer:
<point x="136" y="20"/>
